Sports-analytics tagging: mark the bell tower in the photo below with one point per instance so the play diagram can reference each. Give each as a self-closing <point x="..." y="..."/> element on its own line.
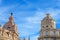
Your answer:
<point x="48" y="25"/>
<point x="10" y="28"/>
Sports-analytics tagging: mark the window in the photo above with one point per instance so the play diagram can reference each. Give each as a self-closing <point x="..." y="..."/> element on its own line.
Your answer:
<point x="42" y="38"/>
<point x="59" y="33"/>
<point x="54" y="34"/>
<point x="8" y="34"/>
<point x="46" y="38"/>
<point x="46" y="32"/>
<point x="43" y="26"/>
<point x="54" y="38"/>
<point x="51" y="26"/>
<point x="46" y="26"/>
<point x="8" y="27"/>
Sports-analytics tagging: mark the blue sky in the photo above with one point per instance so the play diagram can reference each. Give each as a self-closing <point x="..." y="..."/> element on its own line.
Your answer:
<point x="28" y="14"/>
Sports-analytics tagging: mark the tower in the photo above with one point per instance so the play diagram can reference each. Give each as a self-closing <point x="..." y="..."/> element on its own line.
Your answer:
<point x="48" y="28"/>
<point x="10" y="29"/>
<point x="48" y="22"/>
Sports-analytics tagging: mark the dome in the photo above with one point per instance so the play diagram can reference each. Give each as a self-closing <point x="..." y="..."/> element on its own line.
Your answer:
<point x="48" y="21"/>
<point x="48" y="17"/>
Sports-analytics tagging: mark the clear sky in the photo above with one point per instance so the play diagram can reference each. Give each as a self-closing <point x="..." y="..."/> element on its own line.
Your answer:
<point x="28" y="14"/>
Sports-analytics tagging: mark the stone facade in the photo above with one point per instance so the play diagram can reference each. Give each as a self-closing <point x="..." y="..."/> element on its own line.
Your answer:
<point x="48" y="29"/>
<point x="9" y="30"/>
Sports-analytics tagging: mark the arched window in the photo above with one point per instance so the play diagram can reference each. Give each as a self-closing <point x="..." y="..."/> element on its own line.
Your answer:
<point x="47" y="26"/>
<point x="46" y="32"/>
<point x="54" y="38"/>
<point x="46" y="38"/>
<point x="8" y="34"/>
<point x="42" y="38"/>
<point x="43" y="26"/>
<point x="51" y="26"/>
<point x="54" y="35"/>
<point x="59" y="33"/>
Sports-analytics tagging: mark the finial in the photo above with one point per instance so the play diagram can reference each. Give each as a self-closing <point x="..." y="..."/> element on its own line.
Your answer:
<point x="11" y="13"/>
<point x="47" y="14"/>
<point x="11" y="17"/>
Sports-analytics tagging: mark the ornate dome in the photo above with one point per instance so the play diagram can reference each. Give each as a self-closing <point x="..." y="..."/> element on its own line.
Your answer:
<point x="48" y="21"/>
<point x="48" y="17"/>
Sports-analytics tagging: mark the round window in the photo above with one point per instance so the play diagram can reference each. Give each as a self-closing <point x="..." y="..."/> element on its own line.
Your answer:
<point x="8" y="27"/>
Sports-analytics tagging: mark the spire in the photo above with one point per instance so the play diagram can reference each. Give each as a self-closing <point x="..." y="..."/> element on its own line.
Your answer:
<point x="29" y="38"/>
<point x="11" y="13"/>
<point x="48" y="15"/>
<point x="11" y="19"/>
<point x="24" y="38"/>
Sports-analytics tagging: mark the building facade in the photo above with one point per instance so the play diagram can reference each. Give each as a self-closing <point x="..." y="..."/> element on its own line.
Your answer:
<point x="9" y="30"/>
<point x="48" y="29"/>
